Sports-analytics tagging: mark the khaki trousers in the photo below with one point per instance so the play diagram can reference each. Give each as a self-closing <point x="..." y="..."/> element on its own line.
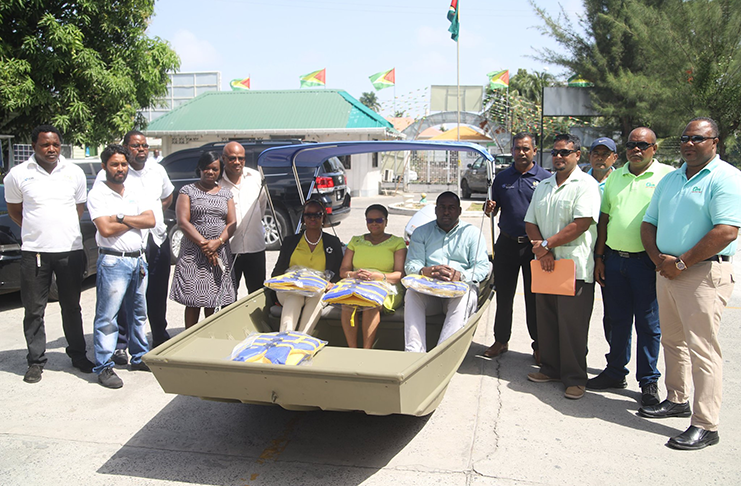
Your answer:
<point x="299" y="313"/>
<point x="690" y="309"/>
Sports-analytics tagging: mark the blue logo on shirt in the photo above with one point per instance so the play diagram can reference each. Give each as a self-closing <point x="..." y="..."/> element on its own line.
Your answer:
<point x="650" y="185"/>
<point x="696" y="190"/>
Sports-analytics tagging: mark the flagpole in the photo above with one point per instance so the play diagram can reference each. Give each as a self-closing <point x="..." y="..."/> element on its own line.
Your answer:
<point x="458" y="99"/>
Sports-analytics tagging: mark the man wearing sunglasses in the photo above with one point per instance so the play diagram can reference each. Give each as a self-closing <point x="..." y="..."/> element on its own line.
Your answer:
<point x="511" y="193"/>
<point x="250" y="201"/>
<point x="561" y="224"/>
<point x="624" y="270"/>
<point x="152" y="179"/>
<point x="689" y="231"/>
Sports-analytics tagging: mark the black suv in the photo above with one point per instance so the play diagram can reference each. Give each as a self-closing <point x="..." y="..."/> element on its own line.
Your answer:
<point x="330" y="187"/>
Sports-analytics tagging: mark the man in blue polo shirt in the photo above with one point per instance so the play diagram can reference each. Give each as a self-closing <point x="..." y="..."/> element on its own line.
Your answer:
<point x="511" y="193"/>
<point x="689" y="232"/>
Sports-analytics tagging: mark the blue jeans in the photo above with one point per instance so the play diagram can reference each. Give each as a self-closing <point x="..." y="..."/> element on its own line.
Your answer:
<point x="119" y="279"/>
<point x="630" y="290"/>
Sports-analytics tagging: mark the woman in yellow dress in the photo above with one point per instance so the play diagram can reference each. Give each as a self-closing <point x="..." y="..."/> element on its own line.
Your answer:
<point x="375" y="255"/>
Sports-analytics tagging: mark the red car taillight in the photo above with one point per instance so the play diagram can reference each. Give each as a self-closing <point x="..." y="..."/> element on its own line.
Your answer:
<point x="324" y="183"/>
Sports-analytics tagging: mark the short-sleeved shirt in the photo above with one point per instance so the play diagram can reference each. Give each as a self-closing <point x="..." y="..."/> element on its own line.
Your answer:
<point x="250" y="202"/>
<point x="156" y="185"/>
<point x="554" y="207"/>
<point x="50" y="220"/>
<point x="625" y="199"/>
<point x="302" y="256"/>
<point x="512" y="190"/>
<point x="103" y="201"/>
<point x="684" y="211"/>
<point x="375" y="257"/>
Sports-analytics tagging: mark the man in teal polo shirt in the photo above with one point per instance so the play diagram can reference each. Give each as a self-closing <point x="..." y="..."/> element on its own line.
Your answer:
<point x="561" y="224"/>
<point x="690" y="231"/>
<point x="624" y="270"/>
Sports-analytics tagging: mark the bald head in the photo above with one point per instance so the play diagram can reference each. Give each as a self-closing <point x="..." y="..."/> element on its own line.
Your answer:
<point x="233" y="159"/>
<point x="640" y="149"/>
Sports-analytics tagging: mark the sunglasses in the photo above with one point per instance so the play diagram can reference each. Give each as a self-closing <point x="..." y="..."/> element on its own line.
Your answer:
<point x="137" y="145"/>
<point x="640" y="145"/>
<point x="694" y="138"/>
<point x="313" y="215"/>
<point x="562" y="152"/>
<point x="374" y="220"/>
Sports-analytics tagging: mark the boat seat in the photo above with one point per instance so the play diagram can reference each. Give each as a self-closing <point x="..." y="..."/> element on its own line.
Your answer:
<point x="332" y="312"/>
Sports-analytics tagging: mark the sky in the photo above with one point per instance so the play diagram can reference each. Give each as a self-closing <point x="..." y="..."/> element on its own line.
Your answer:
<point x="275" y="42"/>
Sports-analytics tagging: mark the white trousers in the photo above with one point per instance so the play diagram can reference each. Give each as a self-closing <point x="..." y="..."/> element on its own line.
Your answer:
<point x="418" y="306"/>
<point x="299" y="313"/>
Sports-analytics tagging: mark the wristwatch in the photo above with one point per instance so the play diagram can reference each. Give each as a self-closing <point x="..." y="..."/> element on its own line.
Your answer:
<point x="544" y="244"/>
<point x="680" y="265"/>
<point x="120" y="217"/>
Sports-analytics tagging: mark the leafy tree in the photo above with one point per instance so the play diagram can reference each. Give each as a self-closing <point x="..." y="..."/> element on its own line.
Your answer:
<point x="655" y="62"/>
<point x="85" y="66"/>
<point x="370" y="100"/>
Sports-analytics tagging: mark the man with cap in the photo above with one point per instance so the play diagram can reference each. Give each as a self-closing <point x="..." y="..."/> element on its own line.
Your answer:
<point x="624" y="270"/>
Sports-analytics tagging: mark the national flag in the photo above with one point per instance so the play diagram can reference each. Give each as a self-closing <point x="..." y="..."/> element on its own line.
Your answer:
<point x="499" y="79"/>
<point x="317" y="78"/>
<point x="453" y="17"/>
<point x="240" y="84"/>
<point x="576" y="81"/>
<point x="385" y="79"/>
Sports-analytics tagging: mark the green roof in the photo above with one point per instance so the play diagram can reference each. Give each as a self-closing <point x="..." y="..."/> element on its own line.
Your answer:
<point x="269" y="110"/>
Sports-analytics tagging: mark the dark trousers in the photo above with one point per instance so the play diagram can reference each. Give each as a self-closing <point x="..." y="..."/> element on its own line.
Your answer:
<point x="563" y="327"/>
<point x="68" y="267"/>
<point x="158" y="259"/>
<point x="252" y="267"/>
<point x="510" y="258"/>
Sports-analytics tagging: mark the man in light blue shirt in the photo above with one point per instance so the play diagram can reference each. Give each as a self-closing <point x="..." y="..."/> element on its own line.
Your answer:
<point x="689" y="232"/>
<point x="449" y="250"/>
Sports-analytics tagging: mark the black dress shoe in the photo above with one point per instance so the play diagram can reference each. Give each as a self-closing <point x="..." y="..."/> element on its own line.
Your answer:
<point x="666" y="409"/>
<point x="33" y="373"/>
<point x="119" y="357"/>
<point x="650" y="394"/>
<point x="604" y="382"/>
<point x="693" y="439"/>
<point x="84" y="365"/>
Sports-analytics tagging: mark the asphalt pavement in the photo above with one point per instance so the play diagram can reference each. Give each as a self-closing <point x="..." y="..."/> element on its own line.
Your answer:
<point x="492" y="428"/>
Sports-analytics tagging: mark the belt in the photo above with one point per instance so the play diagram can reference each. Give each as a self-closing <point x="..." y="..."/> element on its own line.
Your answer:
<point x="719" y="258"/>
<point x="129" y="254"/>
<point x="518" y="239"/>
<point x="627" y="254"/>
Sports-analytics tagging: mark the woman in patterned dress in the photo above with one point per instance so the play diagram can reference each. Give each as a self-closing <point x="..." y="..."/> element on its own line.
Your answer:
<point x="206" y="215"/>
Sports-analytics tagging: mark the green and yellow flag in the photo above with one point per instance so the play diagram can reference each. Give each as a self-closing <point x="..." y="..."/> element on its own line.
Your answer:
<point x="499" y="79"/>
<point x="384" y="79"/>
<point x="316" y="78"/>
<point x="454" y="18"/>
<point x="240" y="84"/>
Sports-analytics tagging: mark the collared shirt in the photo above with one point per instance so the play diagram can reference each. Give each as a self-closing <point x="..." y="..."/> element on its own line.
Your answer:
<point x="625" y="199"/>
<point x="249" y="236"/>
<point x="156" y="185"/>
<point x="512" y="190"/>
<point x="554" y="207"/>
<point x="462" y="248"/>
<point x="50" y="220"/>
<point x="684" y="211"/>
<point x="604" y="181"/>
<point x="103" y="201"/>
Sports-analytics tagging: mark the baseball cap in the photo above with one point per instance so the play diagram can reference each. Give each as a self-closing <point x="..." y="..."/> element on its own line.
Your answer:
<point x="607" y="142"/>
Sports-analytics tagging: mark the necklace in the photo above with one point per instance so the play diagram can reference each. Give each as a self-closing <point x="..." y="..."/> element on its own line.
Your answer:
<point x="313" y="243"/>
<point x="200" y="186"/>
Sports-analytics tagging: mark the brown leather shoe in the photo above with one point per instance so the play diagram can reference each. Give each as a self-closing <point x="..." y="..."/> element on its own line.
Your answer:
<point x="540" y="377"/>
<point x="574" y="392"/>
<point x="536" y="357"/>
<point x="496" y="349"/>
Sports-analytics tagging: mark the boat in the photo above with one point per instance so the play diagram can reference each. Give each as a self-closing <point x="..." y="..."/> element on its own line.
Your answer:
<point x="381" y="381"/>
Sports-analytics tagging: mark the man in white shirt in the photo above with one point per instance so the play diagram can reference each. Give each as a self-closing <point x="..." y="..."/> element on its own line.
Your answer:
<point x="121" y="214"/>
<point x="156" y="185"/>
<point x="248" y="242"/>
<point x="46" y="197"/>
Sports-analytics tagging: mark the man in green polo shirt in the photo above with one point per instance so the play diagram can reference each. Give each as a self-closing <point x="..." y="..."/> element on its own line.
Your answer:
<point x="689" y="231"/>
<point x="561" y="224"/>
<point x="624" y="270"/>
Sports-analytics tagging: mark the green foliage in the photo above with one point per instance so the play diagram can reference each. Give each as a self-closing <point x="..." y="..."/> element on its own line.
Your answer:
<point x="85" y="66"/>
<point x="656" y="63"/>
<point x="370" y="100"/>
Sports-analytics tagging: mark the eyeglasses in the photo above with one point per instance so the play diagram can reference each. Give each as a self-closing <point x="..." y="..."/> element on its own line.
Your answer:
<point x="694" y="138"/>
<point x="374" y="220"/>
<point x="640" y="145"/>
<point x="137" y="145"/>
<point x="232" y="158"/>
<point x="562" y="152"/>
<point x="313" y="215"/>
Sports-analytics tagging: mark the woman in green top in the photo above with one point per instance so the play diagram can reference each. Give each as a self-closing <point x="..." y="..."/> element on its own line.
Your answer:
<point x="373" y="256"/>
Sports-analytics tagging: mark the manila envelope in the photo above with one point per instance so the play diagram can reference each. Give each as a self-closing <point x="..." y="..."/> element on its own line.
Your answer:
<point x="561" y="281"/>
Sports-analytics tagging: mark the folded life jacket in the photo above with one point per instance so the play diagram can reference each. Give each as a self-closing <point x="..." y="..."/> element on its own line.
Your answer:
<point x="435" y="287"/>
<point x="304" y="281"/>
<point x="285" y="348"/>
<point x="357" y="293"/>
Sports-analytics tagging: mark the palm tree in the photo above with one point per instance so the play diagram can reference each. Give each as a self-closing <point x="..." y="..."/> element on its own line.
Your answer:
<point x="370" y="100"/>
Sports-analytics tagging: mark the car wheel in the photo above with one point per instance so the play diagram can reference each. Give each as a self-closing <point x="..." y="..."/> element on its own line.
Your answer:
<point x="176" y="237"/>
<point x="272" y="240"/>
<point x="465" y="189"/>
